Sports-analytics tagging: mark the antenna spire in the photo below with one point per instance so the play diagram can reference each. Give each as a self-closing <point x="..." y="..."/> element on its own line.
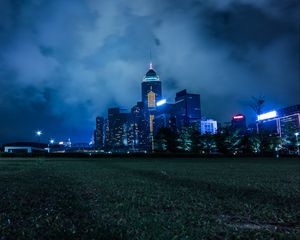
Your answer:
<point x="151" y="65"/>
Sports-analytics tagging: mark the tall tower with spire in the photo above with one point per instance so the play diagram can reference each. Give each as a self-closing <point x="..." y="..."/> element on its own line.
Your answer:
<point x="151" y="89"/>
<point x="151" y="94"/>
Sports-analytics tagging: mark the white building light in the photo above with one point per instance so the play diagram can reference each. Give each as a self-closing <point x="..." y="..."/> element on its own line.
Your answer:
<point x="161" y="102"/>
<point x="267" y="115"/>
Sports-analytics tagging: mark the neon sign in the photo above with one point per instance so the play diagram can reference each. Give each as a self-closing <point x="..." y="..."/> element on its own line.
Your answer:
<point x="238" y="117"/>
<point x="267" y="115"/>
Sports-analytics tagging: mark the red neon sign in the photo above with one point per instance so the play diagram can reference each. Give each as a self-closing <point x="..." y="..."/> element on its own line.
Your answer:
<point x="238" y="117"/>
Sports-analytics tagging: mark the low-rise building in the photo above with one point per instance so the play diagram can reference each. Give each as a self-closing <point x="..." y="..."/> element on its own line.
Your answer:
<point x="209" y="126"/>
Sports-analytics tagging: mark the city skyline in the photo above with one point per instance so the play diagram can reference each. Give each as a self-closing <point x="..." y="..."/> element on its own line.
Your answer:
<point x="58" y="74"/>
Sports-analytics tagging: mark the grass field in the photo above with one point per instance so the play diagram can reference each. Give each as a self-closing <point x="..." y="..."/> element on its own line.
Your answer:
<point x="149" y="199"/>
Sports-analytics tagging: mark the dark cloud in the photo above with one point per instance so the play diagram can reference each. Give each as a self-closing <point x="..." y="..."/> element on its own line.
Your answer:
<point x="246" y="25"/>
<point x="64" y="62"/>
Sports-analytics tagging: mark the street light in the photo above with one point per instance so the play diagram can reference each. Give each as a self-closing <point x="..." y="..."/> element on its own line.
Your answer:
<point x="297" y="144"/>
<point x="39" y="133"/>
<point x="51" y="141"/>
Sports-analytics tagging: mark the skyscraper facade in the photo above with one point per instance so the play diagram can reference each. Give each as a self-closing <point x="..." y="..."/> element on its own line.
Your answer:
<point x="238" y="121"/>
<point x="285" y="121"/>
<point x="165" y="117"/>
<point x="117" y="130"/>
<point x="99" y="133"/>
<point x="188" y="110"/>
<point x="209" y="126"/>
<point x="151" y="94"/>
<point x="139" y="128"/>
<point x="151" y="89"/>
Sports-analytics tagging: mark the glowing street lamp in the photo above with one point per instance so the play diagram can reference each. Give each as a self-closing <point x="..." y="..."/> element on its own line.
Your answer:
<point x="51" y="141"/>
<point x="39" y="133"/>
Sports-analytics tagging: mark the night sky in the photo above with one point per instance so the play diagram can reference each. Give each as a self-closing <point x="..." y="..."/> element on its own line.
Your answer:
<point x="64" y="62"/>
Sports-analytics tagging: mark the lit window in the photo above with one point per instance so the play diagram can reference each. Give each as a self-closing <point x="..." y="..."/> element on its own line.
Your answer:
<point x="151" y="99"/>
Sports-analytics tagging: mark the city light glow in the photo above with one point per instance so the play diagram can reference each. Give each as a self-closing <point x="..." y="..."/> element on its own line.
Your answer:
<point x="267" y="115"/>
<point x="161" y="102"/>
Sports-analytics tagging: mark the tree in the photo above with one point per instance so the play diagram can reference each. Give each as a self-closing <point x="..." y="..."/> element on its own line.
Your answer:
<point x="288" y="138"/>
<point x="228" y="140"/>
<point x="207" y="143"/>
<point x="165" y="140"/>
<point x="272" y="143"/>
<point x="257" y="106"/>
<point x="184" y="140"/>
<point x="254" y="143"/>
<point x="196" y="141"/>
<point x="264" y="142"/>
<point x="161" y="144"/>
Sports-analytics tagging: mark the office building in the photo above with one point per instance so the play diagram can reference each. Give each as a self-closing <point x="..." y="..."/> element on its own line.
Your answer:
<point x="151" y="89"/>
<point x="187" y="109"/>
<point x="209" y="126"/>
<point x="165" y="117"/>
<point x="285" y="121"/>
<point x="99" y="133"/>
<point x="238" y="121"/>
<point x="151" y="94"/>
<point x="139" y="131"/>
<point x="117" y="129"/>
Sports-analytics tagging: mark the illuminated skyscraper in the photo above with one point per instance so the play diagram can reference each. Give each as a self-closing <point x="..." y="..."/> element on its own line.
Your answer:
<point x="138" y="128"/>
<point x="165" y="117"/>
<point x="117" y="129"/>
<point x="151" y="94"/>
<point x="188" y="109"/>
<point x="99" y="133"/>
<point x="151" y="89"/>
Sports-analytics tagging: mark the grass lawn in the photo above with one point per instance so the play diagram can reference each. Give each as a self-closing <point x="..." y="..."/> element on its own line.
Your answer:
<point x="149" y="199"/>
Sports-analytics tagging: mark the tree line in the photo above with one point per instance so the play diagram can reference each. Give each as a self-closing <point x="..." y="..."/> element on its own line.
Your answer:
<point x="226" y="141"/>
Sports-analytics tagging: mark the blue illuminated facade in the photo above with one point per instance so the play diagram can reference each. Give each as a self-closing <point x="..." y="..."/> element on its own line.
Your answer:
<point x="187" y="108"/>
<point x="285" y="123"/>
<point x="151" y="89"/>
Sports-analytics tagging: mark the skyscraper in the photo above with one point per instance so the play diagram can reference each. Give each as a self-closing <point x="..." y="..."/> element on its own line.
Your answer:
<point x="138" y="128"/>
<point x="188" y="110"/>
<point x="99" y="133"/>
<point x="151" y="89"/>
<point x="117" y="131"/>
<point x="238" y="121"/>
<point x="165" y="117"/>
<point x="151" y="94"/>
